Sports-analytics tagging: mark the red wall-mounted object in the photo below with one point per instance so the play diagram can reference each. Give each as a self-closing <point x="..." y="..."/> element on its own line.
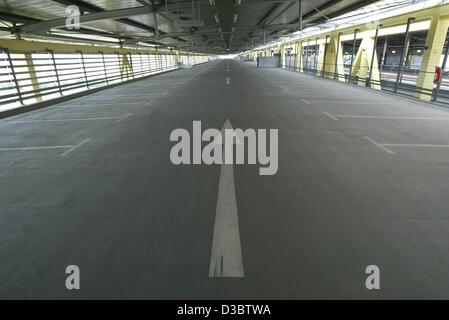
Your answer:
<point x="438" y="72"/>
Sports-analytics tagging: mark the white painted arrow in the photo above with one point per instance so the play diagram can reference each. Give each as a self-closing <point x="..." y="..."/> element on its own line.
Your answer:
<point x="228" y="80"/>
<point x="226" y="256"/>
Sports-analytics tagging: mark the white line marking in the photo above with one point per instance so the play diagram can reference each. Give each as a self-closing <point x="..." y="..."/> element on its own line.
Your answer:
<point x="70" y="148"/>
<point x="35" y="148"/>
<point x="226" y="256"/>
<point x="139" y="99"/>
<point x="61" y="120"/>
<point x="389" y="117"/>
<point x="354" y="102"/>
<point x="149" y="102"/>
<point x="228" y="81"/>
<point x="379" y="145"/>
<point x="416" y="145"/>
<point x="125" y="104"/>
<point x="124" y="117"/>
<point x="75" y="147"/>
<point x="305" y="101"/>
<point x="165" y="93"/>
<point x="330" y="116"/>
<point x="127" y="96"/>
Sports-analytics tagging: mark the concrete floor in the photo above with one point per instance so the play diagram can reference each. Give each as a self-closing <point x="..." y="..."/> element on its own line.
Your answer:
<point x="106" y="197"/>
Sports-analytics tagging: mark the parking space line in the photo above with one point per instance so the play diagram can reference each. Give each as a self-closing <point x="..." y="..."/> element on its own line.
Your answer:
<point x="379" y="145"/>
<point x="306" y="101"/>
<point x="75" y="147"/>
<point x="61" y="120"/>
<point x="331" y="116"/>
<point x="35" y="148"/>
<point x="416" y="145"/>
<point x="125" y="104"/>
<point x="70" y="148"/>
<point x="124" y="117"/>
<point x="352" y="102"/>
<point x="384" y="146"/>
<point x="388" y="117"/>
<point x="115" y="98"/>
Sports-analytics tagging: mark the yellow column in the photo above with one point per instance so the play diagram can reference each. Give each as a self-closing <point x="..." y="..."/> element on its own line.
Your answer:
<point x="298" y="62"/>
<point x="362" y="61"/>
<point x="320" y="58"/>
<point x="432" y="55"/>
<point x="331" y="57"/>
<point x="177" y="59"/>
<point x="127" y="70"/>
<point x="33" y="76"/>
<point x="281" y="49"/>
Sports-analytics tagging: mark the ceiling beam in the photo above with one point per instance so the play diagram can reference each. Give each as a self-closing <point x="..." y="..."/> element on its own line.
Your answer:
<point x="84" y="6"/>
<point x="317" y="16"/>
<point x="44" y="26"/>
<point x="87" y="7"/>
<point x="15" y="18"/>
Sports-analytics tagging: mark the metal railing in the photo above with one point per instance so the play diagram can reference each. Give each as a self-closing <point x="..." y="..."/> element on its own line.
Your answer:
<point x="389" y="80"/>
<point x="31" y="77"/>
<point x="401" y="79"/>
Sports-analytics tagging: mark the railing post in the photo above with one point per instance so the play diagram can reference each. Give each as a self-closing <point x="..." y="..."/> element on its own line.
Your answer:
<point x="149" y="63"/>
<point x="354" y="43"/>
<point x="84" y="68"/>
<point x="403" y="54"/>
<point x="130" y="62"/>
<point x="376" y="36"/>
<point x="104" y="68"/>
<point x="337" y="52"/>
<point x="384" y="55"/>
<point x="141" y="64"/>
<point x="52" y="55"/>
<point x="317" y="52"/>
<point x="120" y="65"/>
<point x="324" y="58"/>
<point x="13" y="73"/>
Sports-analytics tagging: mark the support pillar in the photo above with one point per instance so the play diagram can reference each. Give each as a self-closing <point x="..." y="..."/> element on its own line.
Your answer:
<point x="126" y="68"/>
<point x="363" y="62"/>
<point x="321" y="47"/>
<point x="33" y="76"/>
<point x="298" y="62"/>
<point x="281" y="49"/>
<point x="334" y="53"/>
<point x="432" y="56"/>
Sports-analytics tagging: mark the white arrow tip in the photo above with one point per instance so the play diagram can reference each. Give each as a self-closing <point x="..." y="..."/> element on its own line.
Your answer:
<point x="227" y="125"/>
